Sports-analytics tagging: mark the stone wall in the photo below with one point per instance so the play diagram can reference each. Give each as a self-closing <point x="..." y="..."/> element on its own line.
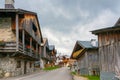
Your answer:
<point x="6" y="33"/>
<point x="8" y="67"/>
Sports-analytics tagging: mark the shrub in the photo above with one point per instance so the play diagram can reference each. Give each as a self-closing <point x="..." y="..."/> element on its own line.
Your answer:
<point x="51" y="68"/>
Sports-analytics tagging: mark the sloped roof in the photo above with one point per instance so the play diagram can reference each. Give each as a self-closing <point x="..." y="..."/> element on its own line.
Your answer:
<point x="117" y="23"/>
<point x="44" y="41"/>
<point x="17" y="11"/>
<point x="87" y="44"/>
<point x="84" y="46"/>
<point x="109" y="29"/>
<point x="21" y="11"/>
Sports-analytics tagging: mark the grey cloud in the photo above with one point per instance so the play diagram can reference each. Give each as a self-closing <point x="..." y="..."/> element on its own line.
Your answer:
<point x="65" y="21"/>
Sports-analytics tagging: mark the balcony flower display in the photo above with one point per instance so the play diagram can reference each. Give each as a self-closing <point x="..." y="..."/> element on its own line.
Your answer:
<point x="2" y="43"/>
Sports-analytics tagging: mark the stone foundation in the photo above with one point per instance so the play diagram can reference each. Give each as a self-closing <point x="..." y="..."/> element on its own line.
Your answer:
<point x="9" y="67"/>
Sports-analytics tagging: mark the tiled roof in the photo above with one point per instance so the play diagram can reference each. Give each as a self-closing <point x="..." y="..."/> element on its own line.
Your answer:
<point x="87" y="44"/>
<point x="116" y="27"/>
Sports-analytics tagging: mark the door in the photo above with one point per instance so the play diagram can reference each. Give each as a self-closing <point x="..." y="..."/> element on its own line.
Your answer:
<point x="25" y="67"/>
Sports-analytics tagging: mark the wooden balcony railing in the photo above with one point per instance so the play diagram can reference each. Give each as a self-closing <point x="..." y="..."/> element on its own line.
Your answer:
<point x="6" y="47"/>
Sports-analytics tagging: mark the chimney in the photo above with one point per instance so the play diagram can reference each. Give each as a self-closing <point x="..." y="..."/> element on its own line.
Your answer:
<point x="9" y="4"/>
<point x="93" y="42"/>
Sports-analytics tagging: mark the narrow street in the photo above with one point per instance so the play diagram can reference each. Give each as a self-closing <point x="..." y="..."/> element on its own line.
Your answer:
<point x="58" y="74"/>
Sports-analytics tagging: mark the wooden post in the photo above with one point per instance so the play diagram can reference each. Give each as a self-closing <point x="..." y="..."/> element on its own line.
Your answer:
<point x="36" y="50"/>
<point x="31" y="45"/>
<point x="23" y="40"/>
<point x="17" y="32"/>
<point x="40" y="51"/>
<point x="36" y="47"/>
<point x="86" y="58"/>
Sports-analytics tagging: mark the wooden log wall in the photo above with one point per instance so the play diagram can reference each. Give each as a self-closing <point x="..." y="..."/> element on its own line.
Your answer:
<point x="82" y="62"/>
<point x="93" y="58"/>
<point x="108" y="38"/>
<point x="26" y="21"/>
<point x="109" y="48"/>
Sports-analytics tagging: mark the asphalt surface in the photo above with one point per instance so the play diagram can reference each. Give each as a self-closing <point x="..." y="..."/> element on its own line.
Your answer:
<point x="58" y="74"/>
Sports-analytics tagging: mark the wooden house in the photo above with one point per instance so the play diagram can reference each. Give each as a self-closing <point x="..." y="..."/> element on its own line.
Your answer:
<point x="48" y="54"/>
<point x="20" y="41"/>
<point x="86" y="54"/>
<point x="109" y="51"/>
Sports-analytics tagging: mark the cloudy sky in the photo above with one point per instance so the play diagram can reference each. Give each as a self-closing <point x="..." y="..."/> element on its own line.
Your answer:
<point x="64" y="22"/>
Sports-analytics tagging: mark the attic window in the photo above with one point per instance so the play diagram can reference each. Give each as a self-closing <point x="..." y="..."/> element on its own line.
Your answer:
<point x="34" y="27"/>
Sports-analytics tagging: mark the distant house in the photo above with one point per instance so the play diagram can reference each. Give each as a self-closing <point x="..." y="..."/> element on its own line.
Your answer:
<point x="86" y="54"/>
<point x="52" y="54"/>
<point x="20" y="41"/>
<point x="44" y="53"/>
<point x="48" y="54"/>
<point x="109" y="51"/>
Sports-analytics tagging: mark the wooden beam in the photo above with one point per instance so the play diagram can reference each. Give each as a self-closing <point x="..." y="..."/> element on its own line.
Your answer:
<point x="36" y="47"/>
<point x="36" y="50"/>
<point x="86" y="59"/>
<point x="31" y="45"/>
<point x="17" y="32"/>
<point x="23" y="40"/>
<point x="40" y="52"/>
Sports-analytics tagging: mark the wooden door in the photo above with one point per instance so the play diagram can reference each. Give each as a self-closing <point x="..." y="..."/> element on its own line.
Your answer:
<point x="25" y="67"/>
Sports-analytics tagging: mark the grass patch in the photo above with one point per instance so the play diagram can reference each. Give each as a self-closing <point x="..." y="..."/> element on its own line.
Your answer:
<point x="92" y="77"/>
<point x="51" y="68"/>
<point x="73" y="73"/>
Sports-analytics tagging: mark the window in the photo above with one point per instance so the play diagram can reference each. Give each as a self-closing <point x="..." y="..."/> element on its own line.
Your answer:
<point x="34" y="27"/>
<point x="18" y="64"/>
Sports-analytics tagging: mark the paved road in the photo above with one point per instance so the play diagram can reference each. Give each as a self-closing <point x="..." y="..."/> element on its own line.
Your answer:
<point x="59" y="74"/>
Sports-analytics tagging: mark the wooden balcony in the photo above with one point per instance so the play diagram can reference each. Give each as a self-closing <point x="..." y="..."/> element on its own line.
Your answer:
<point x="32" y="34"/>
<point x="11" y="47"/>
<point x="7" y="47"/>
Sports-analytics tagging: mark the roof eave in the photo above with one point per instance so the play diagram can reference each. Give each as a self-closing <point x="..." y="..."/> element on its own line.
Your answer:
<point x="79" y="54"/>
<point x="18" y="11"/>
<point x="114" y="28"/>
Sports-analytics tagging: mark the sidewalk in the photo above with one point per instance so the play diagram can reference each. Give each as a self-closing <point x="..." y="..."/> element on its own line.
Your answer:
<point x="79" y="78"/>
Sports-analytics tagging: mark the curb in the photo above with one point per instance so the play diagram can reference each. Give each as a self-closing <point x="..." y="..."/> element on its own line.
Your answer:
<point x="21" y="76"/>
<point x="73" y="77"/>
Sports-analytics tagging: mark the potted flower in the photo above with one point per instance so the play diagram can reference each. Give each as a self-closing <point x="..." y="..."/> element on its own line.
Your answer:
<point x="2" y="43"/>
